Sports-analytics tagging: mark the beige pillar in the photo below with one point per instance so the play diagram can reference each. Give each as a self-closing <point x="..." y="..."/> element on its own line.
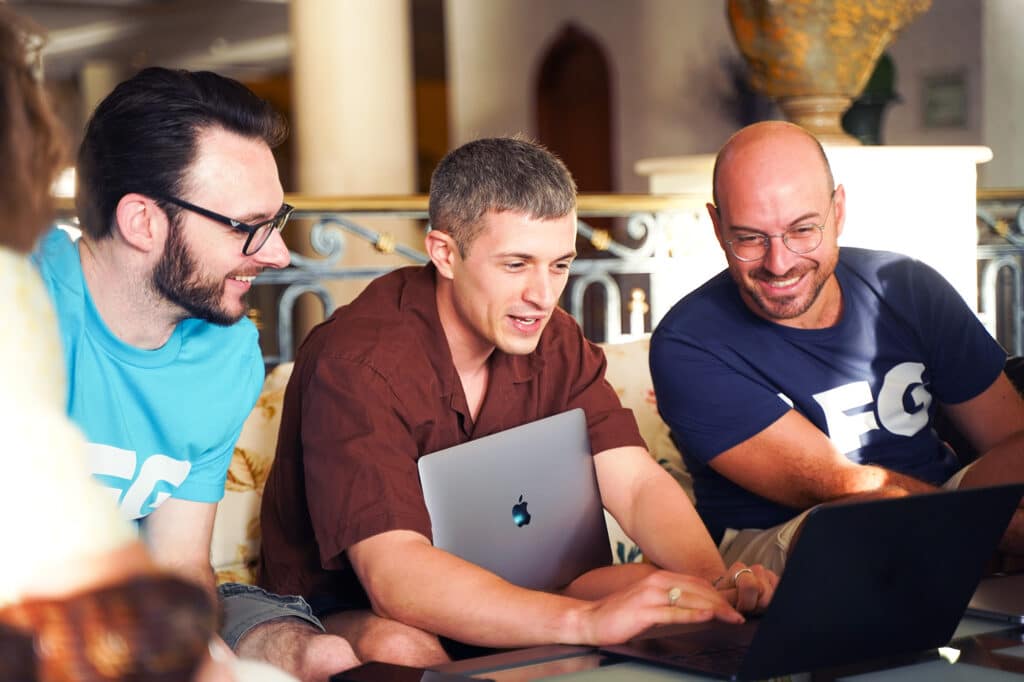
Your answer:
<point x="353" y="111"/>
<point x="1002" y="56"/>
<point x="352" y="86"/>
<point x="96" y="79"/>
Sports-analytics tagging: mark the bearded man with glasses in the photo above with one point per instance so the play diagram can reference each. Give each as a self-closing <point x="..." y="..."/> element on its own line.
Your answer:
<point x="181" y="208"/>
<point x="806" y="373"/>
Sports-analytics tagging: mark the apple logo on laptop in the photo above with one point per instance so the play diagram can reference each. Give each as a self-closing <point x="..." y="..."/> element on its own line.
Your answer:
<point x="520" y="516"/>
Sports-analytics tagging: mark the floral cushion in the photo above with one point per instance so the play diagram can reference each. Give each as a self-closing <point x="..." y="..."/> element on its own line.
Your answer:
<point x="236" y="531"/>
<point x="629" y="374"/>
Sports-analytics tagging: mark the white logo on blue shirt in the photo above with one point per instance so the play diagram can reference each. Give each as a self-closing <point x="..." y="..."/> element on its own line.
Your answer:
<point x="115" y="469"/>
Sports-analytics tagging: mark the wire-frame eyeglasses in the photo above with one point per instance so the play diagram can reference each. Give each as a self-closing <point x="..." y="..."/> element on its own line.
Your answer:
<point x="800" y="239"/>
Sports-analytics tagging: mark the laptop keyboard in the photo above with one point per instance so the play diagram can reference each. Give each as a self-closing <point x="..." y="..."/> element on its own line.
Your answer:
<point x="714" y="648"/>
<point x="716" y="661"/>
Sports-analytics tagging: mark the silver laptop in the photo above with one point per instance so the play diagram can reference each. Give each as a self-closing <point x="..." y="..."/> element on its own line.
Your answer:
<point x="1000" y="597"/>
<point x="522" y="503"/>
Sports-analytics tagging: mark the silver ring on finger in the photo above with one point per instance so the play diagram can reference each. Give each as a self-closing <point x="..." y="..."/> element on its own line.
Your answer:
<point x="737" y="574"/>
<point x="673" y="595"/>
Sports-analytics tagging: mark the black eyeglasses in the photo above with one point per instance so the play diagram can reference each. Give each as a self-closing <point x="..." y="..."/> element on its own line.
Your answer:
<point x="800" y="240"/>
<point x="258" y="233"/>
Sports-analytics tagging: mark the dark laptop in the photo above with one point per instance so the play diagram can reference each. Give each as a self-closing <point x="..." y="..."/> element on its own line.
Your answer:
<point x="865" y="580"/>
<point x="522" y="503"/>
<point x="999" y="597"/>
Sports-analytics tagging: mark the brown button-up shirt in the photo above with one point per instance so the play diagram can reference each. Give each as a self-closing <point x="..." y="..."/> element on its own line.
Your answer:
<point x="373" y="389"/>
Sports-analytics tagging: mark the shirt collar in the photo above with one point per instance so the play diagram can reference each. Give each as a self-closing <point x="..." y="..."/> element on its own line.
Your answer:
<point x="419" y="298"/>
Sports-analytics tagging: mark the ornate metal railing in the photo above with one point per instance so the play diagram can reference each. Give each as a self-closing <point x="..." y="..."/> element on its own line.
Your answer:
<point x="1001" y="265"/>
<point x="617" y="256"/>
<point x="614" y="291"/>
<point x="625" y="280"/>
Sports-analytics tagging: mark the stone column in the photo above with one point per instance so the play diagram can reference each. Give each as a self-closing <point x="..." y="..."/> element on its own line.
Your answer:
<point x="352" y="88"/>
<point x="1002" y="56"/>
<point x="96" y="79"/>
<point x="352" y="121"/>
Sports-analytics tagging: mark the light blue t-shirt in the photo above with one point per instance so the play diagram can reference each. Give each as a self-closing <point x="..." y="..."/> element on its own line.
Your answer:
<point x="160" y="423"/>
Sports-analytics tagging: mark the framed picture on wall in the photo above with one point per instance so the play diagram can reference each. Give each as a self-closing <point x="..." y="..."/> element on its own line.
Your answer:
<point x="944" y="100"/>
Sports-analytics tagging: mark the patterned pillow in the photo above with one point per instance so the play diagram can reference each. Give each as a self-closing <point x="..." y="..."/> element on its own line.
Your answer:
<point x="234" y="551"/>
<point x="629" y="374"/>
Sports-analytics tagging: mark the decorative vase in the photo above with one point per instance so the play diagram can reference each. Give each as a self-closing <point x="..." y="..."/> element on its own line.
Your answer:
<point x="863" y="119"/>
<point x="815" y="56"/>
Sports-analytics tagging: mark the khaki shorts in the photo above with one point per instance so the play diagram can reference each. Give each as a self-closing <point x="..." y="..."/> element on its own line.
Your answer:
<point x="770" y="547"/>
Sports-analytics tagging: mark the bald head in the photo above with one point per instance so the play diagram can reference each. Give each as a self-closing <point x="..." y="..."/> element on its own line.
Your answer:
<point x="778" y="216"/>
<point x="766" y="149"/>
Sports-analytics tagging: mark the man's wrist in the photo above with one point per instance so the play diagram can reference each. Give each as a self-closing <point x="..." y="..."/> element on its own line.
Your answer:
<point x="576" y="627"/>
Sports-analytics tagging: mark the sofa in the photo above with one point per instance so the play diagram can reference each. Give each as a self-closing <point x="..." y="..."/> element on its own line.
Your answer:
<point x="236" y="534"/>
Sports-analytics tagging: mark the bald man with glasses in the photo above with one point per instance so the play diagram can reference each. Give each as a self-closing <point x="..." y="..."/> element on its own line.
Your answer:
<point x="806" y="373"/>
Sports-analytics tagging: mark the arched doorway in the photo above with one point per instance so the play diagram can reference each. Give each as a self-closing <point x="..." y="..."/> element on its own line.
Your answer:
<point x="574" y="108"/>
<point x="574" y="120"/>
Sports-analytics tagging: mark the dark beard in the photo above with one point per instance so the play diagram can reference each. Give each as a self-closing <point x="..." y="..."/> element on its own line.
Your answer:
<point x="177" y="278"/>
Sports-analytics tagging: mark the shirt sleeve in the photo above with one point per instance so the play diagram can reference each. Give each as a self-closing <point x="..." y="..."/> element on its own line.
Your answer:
<point x="707" y="398"/>
<point x="963" y="357"/>
<point x="205" y="481"/>
<point x="609" y="424"/>
<point x="359" y="457"/>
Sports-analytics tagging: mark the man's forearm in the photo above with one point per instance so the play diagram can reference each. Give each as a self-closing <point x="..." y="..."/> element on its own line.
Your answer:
<point x="199" y="572"/>
<point x="193" y="567"/>
<point x="802" y="489"/>
<point x="670" y="532"/>
<point x="869" y="478"/>
<point x="412" y="582"/>
<point x="436" y="592"/>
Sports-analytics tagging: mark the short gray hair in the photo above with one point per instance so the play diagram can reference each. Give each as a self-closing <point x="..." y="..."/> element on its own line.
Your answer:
<point x="497" y="174"/>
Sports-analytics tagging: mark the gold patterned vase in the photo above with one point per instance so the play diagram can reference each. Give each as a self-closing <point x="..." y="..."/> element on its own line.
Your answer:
<point x="814" y="57"/>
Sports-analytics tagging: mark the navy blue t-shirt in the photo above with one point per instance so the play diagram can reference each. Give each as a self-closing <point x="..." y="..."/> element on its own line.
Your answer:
<point x="906" y="341"/>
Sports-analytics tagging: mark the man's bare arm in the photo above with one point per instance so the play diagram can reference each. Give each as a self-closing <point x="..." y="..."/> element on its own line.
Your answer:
<point x="793" y="463"/>
<point x="654" y="510"/>
<point x="411" y="581"/>
<point x="993" y="422"/>
<point x="178" y="536"/>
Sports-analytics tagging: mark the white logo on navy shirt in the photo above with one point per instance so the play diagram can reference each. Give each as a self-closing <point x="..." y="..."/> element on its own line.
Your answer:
<point x="901" y="407"/>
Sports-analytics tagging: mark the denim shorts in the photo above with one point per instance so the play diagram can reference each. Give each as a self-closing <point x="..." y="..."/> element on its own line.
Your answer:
<point x="246" y="606"/>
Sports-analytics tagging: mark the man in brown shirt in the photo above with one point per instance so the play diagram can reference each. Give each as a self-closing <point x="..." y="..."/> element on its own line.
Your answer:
<point x="426" y="358"/>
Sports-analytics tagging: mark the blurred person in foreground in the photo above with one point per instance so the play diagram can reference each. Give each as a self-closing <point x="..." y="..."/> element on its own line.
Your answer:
<point x="80" y="596"/>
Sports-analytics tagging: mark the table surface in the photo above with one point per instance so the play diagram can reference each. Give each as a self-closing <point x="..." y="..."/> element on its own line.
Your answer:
<point x="980" y="651"/>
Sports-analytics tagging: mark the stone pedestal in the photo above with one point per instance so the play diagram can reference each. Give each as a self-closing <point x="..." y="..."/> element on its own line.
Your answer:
<point x="914" y="200"/>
